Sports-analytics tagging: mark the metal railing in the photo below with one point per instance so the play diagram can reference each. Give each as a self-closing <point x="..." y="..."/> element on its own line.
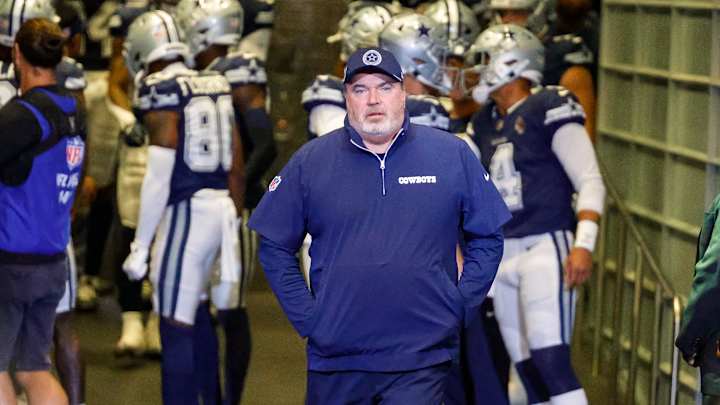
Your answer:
<point x="643" y="280"/>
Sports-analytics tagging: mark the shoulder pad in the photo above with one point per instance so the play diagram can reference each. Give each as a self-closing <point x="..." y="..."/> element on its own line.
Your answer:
<point x="325" y="89"/>
<point x="70" y="74"/>
<point x="241" y="69"/>
<point x="161" y="90"/>
<point x="427" y="110"/>
<point x="559" y="105"/>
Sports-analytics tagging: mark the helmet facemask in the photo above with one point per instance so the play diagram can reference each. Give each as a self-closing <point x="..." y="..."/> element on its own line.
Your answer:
<point x="501" y="55"/>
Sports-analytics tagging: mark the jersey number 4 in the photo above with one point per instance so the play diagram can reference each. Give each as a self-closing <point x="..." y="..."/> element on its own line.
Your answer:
<point x="505" y="177"/>
<point x="208" y="134"/>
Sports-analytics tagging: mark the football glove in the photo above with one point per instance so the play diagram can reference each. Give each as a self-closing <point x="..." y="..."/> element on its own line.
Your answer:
<point x="135" y="265"/>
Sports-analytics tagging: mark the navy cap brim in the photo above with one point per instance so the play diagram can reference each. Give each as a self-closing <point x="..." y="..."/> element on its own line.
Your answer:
<point x="370" y="69"/>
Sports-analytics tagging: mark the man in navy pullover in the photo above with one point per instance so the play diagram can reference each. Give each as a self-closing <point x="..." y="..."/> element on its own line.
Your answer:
<point x="386" y="202"/>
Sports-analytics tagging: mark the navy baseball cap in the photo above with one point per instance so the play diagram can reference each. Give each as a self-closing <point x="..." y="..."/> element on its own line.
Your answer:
<point x="378" y="60"/>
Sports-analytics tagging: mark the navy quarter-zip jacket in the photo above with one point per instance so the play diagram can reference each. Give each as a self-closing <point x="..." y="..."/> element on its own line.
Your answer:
<point x="383" y="292"/>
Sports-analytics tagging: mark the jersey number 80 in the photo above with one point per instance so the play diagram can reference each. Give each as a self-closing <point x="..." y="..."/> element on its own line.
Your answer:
<point x="208" y="134"/>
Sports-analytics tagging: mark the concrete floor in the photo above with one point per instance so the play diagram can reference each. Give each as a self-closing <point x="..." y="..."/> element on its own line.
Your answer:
<point x="277" y="369"/>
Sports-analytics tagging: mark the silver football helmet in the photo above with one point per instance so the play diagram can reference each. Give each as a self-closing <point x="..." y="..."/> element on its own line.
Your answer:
<point x="151" y="37"/>
<point x="538" y="13"/>
<point x="360" y="28"/>
<point x="13" y="13"/>
<point x="210" y="22"/>
<point x="503" y="53"/>
<point x="459" y="21"/>
<point x="420" y="46"/>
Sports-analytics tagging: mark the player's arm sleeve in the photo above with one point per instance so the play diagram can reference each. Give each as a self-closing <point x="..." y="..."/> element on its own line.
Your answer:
<point x="574" y="150"/>
<point x="280" y="219"/>
<point x="260" y="132"/>
<point x="325" y="118"/>
<point x="700" y="319"/>
<point x="483" y="214"/>
<point x="19" y="130"/>
<point x="154" y="192"/>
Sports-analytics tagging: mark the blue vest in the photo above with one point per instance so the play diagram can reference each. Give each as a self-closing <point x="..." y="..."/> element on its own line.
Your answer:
<point x="35" y="215"/>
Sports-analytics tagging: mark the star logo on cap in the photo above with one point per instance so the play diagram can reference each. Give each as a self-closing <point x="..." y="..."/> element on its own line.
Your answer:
<point x="372" y="58"/>
<point x="423" y="31"/>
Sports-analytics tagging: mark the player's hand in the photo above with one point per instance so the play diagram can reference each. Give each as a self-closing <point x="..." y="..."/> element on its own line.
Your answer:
<point x="578" y="265"/>
<point x="135" y="265"/>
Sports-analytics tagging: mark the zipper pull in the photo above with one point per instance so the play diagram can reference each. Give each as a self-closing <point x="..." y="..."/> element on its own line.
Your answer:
<point x="382" y="164"/>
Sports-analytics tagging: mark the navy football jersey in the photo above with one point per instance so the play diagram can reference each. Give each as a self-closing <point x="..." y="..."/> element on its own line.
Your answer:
<point x="125" y="14"/>
<point x="257" y="14"/>
<point x="240" y="69"/>
<point x="427" y="110"/>
<point x="325" y="89"/>
<point x="563" y="52"/>
<point x="516" y="149"/>
<point x="70" y="76"/>
<point x="205" y="110"/>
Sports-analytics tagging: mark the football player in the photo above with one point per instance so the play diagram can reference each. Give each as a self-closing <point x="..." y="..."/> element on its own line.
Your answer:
<point x="323" y="99"/>
<point x="189" y="201"/>
<point x="534" y="144"/>
<point x="461" y="29"/>
<point x="135" y="339"/>
<point x="425" y="50"/>
<point x="568" y="60"/>
<point x="211" y="28"/>
<point x="70" y="76"/>
<point x="424" y="46"/>
<point x="421" y="47"/>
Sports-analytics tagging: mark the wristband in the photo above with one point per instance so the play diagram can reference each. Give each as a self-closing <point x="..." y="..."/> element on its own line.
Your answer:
<point x="586" y="234"/>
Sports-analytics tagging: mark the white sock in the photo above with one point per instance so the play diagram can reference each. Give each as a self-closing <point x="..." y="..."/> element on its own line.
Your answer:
<point x="576" y="397"/>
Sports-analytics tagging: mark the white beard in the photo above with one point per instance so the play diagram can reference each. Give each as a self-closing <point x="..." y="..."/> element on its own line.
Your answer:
<point x="381" y="128"/>
<point x="390" y="124"/>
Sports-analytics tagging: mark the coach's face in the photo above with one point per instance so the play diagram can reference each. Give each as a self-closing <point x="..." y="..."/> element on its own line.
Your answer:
<point x="375" y="105"/>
